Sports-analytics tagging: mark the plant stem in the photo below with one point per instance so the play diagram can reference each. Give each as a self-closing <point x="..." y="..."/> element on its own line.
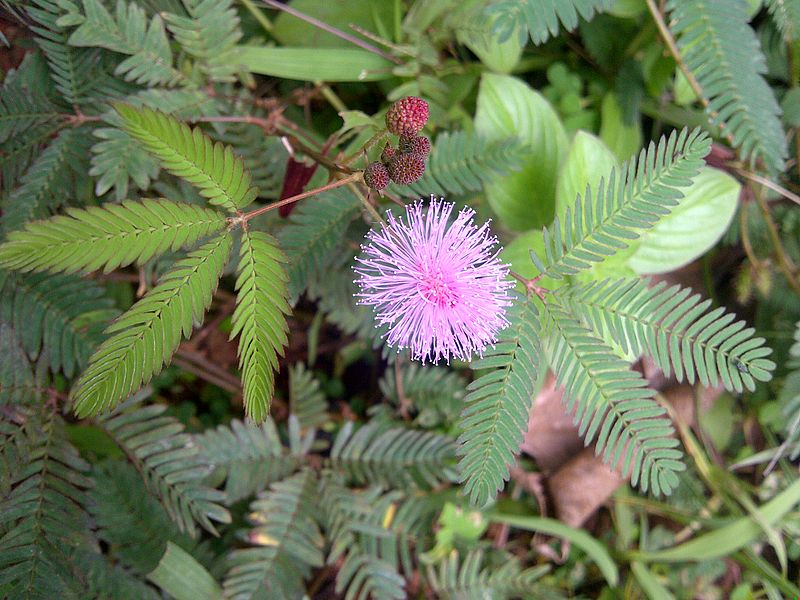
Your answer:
<point x="259" y="16"/>
<point x="784" y="262"/>
<point x="330" y="29"/>
<point x="353" y="177"/>
<point x="769" y="184"/>
<point x="530" y="285"/>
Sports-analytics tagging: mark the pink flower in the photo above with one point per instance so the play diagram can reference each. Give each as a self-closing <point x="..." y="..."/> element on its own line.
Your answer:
<point x="441" y="288"/>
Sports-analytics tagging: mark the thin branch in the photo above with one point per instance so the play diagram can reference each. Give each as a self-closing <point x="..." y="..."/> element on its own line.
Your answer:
<point x="769" y="184"/>
<point x="785" y="263"/>
<point x="332" y="30"/>
<point x="530" y="285"/>
<point x="353" y="177"/>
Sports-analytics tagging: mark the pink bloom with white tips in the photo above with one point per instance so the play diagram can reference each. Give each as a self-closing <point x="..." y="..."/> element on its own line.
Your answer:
<point x="440" y="287"/>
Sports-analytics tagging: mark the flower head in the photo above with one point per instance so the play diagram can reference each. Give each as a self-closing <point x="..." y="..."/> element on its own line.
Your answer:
<point x="407" y="116"/>
<point x="440" y="287"/>
<point x="405" y="169"/>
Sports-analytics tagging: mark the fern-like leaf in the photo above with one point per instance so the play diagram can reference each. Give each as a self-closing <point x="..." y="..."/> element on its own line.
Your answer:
<point x="643" y="192"/>
<point x="130" y="520"/>
<point x="739" y="100"/>
<point x="144" y="339"/>
<point x="369" y="539"/>
<point x="22" y="108"/>
<point x="149" y="54"/>
<point x="676" y="329"/>
<point x="462" y="162"/>
<point x="171" y="464"/>
<point x="108" y="237"/>
<point x="209" y="34"/>
<point x="435" y="395"/>
<point x="288" y="539"/>
<point x="786" y="14"/>
<point x="74" y="71"/>
<point x="47" y="183"/>
<point x="18" y="384"/>
<point x="314" y="231"/>
<point x="59" y="318"/>
<point x="790" y="400"/>
<point x="43" y="517"/>
<point x="612" y="404"/>
<point x="394" y="456"/>
<point x="306" y="400"/>
<point x="118" y="158"/>
<point x="192" y="155"/>
<point x="260" y="319"/>
<point x="497" y="404"/>
<point x="468" y="579"/>
<point x="248" y="456"/>
<point x="541" y="18"/>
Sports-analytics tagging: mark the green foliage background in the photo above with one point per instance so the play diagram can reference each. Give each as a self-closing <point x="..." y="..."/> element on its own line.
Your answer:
<point x="192" y="403"/>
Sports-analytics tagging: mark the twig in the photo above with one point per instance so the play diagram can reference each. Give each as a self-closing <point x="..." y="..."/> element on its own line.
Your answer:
<point x="746" y="243"/>
<point x="530" y="285"/>
<point x="784" y="262"/>
<point x="332" y="30"/>
<point x="243" y="218"/>
<point x="769" y="184"/>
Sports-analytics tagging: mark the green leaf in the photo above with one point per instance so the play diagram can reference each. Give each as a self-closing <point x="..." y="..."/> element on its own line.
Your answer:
<point x="623" y="138"/>
<point x="172" y="467"/>
<point x="367" y="14"/>
<point x="676" y="329"/>
<point x="508" y="107"/>
<point x="180" y="575"/>
<point x="59" y="318"/>
<point x="737" y="97"/>
<point x="209" y="34"/>
<point x="588" y="161"/>
<point x="192" y="155"/>
<point x="261" y="306"/>
<point x="314" y="236"/>
<point x="644" y="191"/>
<point x="611" y="404"/>
<point x="541" y="18"/>
<point x="48" y="182"/>
<point x="462" y="162"/>
<point x="286" y="540"/>
<point x="149" y="59"/>
<point x="693" y="227"/>
<point x="726" y="540"/>
<point x="144" y="339"/>
<point x="249" y="457"/>
<point x="495" y="417"/>
<point x="649" y="583"/>
<point x="310" y="64"/>
<point x="596" y="550"/>
<point x="108" y="237"/>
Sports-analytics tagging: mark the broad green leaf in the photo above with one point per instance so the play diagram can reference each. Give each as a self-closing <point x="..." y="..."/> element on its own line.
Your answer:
<point x="596" y="550"/>
<point x="624" y="139"/>
<point x="588" y="161"/>
<point x="311" y="64"/>
<point x="518" y="255"/>
<point x="730" y="538"/>
<point x="650" y="585"/>
<point x="182" y="577"/>
<point x="509" y="107"/>
<point x="342" y="14"/>
<point x="694" y="226"/>
<point x="499" y="57"/>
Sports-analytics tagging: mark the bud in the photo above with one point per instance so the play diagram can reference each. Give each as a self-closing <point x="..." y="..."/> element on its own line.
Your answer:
<point x="376" y="176"/>
<point x="407" y="116"/>
<point x="406" y="168"/>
